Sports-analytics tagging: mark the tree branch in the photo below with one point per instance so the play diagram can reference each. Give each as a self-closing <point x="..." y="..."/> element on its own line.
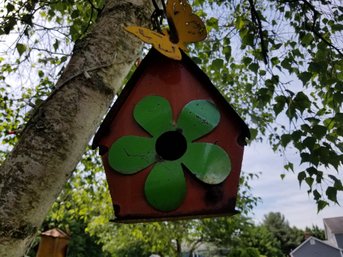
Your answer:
<point x="257" y="20"/>
<point x="57" y="135"/>
<point x="314" y="31"/>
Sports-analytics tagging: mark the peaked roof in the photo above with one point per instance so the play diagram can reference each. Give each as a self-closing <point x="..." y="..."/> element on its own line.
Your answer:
<point x="335" y="224"/>
<point x="55" y="232"/>
<point x="317" y="240"/>
<point x="187" y="61"/>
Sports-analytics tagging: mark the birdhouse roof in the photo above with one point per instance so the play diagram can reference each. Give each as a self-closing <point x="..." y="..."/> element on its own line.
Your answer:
<point x="56" y="233"/>
<point x="188" y="63"/>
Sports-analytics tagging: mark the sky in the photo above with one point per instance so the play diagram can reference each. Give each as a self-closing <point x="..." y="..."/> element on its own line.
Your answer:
<point x="284" y="196"/>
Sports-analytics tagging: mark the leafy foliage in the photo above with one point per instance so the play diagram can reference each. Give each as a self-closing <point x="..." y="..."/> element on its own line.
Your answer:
<point x="39" y="37"/>
<point x="84" y="200"/>
<point x="316" y="232"/>
<point x="280" y="64"/>
<point x="288" y="237"/>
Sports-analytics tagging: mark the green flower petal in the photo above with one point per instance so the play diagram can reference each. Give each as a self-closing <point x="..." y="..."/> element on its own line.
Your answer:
<point x="154" y="114"/>
<point x="130" y="154"/>
<point x="208" y="162"/>
<point x="165" y="187"/>
<point x="198" y="118"/>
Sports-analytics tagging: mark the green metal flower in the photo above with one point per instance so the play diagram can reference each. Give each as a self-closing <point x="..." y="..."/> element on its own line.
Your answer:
<point x="170" y="147"/>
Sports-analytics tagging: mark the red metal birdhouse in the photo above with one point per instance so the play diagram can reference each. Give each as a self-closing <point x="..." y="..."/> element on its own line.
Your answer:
<point x="171" y="145"/>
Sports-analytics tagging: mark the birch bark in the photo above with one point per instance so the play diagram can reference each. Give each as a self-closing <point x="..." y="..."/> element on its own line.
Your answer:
<point x="56" y="137"/>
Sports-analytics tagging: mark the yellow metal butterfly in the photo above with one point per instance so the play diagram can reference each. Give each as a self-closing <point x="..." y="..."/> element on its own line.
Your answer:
<point x="184" y="27"/>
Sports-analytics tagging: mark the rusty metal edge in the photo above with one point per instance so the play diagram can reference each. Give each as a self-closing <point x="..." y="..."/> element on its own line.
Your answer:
<point x="138" y="219"/>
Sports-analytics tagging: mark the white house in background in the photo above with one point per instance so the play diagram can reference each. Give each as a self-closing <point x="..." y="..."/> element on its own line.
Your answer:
<point x="332" y="247"/>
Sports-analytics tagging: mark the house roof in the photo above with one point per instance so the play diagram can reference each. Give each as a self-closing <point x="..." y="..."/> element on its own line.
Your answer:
<point x="315" y="239"/>
<point x="335" y="224"/>
<point x="153" y="54"/>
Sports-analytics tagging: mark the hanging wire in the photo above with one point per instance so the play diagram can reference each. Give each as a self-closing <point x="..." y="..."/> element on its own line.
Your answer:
<point x="164" y="6"/>
<point x="157" y="16"/>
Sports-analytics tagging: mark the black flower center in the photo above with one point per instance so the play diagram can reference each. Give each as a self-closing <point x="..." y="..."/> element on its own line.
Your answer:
<point x="171" y="145"/>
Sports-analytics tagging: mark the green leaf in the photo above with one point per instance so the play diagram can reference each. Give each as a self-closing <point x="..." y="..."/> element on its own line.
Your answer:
<point x="21" y="48"/>
<point x="319" y="177"/>
<point x="246" y="60"/>
<point x="264" y="95"/>
<point x="337" y="27"/>
<point x="63" y="59"/>
<point x="9" y="25"/>
<point x="312" y="171"/>
<point x="239" y="22"/>
<point x="319" y="131"/>
<point x="331" y="193"/>
<point x="309" y="142"/>
<point x="27" y="19"/>
<point x="338" y="185"/>
<point x="75" y="14"/>
<point x="287" y="64"/>
<point x="321" y="204"/>
<point x="56" y="44"/>
<point x="339" y="118"/>
<point x="301" y="177"/>
<point x="307" y="39"/>
<point x="9" y="7"/>
<point x="212" y="23"/>
<point x="301" y="102"/>
<point x="280" y="104"/>
<point x="316" y="195"/>
<point x="275" y="61"/>
<point x="254" y="67"/>
<point x="285" y="139"/>
<point x="315" y="67"/>
<point x="218" y="64"/>
<point x="262" y="72"/>
<point x="309" y="181"/>
<point x="296" y="135"/>
<point x="289" y="166"/>
<point x="254" y="132"/>
<point x="333" y="177"/>
<point x="247" y="39"/>
<point x="305" y="77"/>
<point x="227" y="52"/>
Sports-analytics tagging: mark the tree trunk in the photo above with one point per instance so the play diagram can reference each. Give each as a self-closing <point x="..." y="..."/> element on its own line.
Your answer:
<point x="56" y="136"/>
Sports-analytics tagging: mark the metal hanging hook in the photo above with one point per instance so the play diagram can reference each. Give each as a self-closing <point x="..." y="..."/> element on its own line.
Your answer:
<point x="157" y="16"/>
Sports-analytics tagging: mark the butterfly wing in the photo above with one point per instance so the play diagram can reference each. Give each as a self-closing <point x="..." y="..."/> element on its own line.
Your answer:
<point x="159" y="41"/>
<point x="188" y="26"/>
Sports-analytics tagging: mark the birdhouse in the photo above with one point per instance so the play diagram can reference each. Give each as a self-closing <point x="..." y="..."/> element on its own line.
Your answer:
<point x="171" y="145"/>
<point x="53" y="243"/>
